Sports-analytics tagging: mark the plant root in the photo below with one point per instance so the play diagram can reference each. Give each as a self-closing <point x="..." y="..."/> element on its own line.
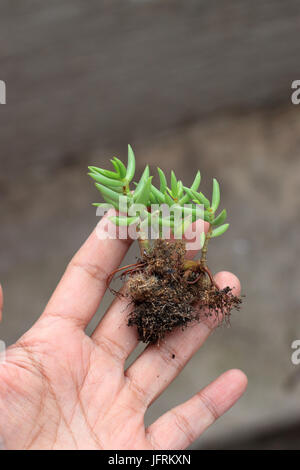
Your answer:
<point x="165" y="295"/>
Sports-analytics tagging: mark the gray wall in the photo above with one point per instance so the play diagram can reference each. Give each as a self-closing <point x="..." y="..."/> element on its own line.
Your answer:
<point x="83" y="74"/>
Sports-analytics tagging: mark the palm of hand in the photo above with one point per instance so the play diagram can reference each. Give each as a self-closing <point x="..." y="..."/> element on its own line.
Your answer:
<point x="68" y="393"/>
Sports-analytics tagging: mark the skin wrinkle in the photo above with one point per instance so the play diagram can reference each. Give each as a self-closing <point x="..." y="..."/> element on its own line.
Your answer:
<point x="101" y="414"/>
<point x="152" y="441"/>
<point x="35" y="437"/>
<point x="31" y="371"/>
<point x="104" y="414"/>
<point x="16" y="362"/>
<point x="32" y="346"/>
<point x="166" y="353"/>
<point x="208" y="404"/>
<point x="138" y="392"/>
<point x="60" y="316"/>
<point x="40" y="409"/>
<point x="79" y="389"/>
<point x="130" y="407"/>
<point x="95" y="271"/>
<point x="61" y="414"/>
<point x="89" y="427"/>
<point x="184" y="426"/>
<point x="56" y="432"/>
<point x="117" y="400"/>
<point x="112" y="348"/>
<point x="69" y="369"/>
<point x="12" y="389"/>
<point x="38" y="365"/>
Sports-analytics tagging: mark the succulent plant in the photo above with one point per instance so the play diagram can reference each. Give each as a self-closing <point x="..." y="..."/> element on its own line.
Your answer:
<point x="167" y="290"/>
<point x="189" y="201"/>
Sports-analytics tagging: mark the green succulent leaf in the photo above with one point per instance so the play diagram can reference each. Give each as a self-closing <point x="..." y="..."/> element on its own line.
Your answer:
<point x="207" y="216"/>
<point x="221" y="218"/>
<point x="109" y="193"/>
<point x="107" y="173"/>
<point x="121" y="220"/>
<point x="196" y="182"/>
<point x="179" y="189"/>
<point x="95" y="169"/>
<point x="144" y="177"/>
<point x="168" y="200"/>
<point x="215" y="195"/>
<point x="104" y="205"/>
<point x="169" y="191"/>
<point x="121" y="167"/>
<point x="116" y="167"/>
<point x="199" y="198"/>
<point x="152" y="198"/>
<point x="109" y="201"/>
<point x="219" y="230"/>
<point x="141" y="195"/>
<point x="196" y="211"/>
<point x="194" y="187"/>
<point x="162" y="180"/>
<point x="106" y="181"/>
<point x="158" y="195"/>
<point x="166" y="222"/>
<point x="203" y="200"/>
<point x="184" y="199"/>
<point x="162" y="221"/>
<point x="189" y="195"/>
<point x="173" y="184"/>
<point x="130" y="165"/>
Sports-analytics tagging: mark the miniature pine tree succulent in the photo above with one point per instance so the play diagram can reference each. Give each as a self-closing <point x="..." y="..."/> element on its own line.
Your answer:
<point x="165" y="288"/>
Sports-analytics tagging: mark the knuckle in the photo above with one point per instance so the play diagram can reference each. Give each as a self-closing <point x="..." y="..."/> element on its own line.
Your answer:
<point x="209" y="405"/>
<point x="182" y="423"/>
<point x="139" y="394"/>
<point x="93" y="270"/>
<point x="112" y="348"/>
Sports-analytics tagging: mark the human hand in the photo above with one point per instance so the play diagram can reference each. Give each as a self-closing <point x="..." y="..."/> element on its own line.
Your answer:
<point x="61" y="389"/>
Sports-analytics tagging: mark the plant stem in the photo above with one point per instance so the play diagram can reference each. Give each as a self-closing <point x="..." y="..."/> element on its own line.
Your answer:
<point x="126" y="189"/>
<point x="191" y="265"/>
<point x="203" y="260"/>
<point x="144" y="245"/>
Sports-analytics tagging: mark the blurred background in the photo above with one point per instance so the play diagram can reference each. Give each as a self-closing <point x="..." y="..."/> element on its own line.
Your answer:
<point x="190" y="84"/>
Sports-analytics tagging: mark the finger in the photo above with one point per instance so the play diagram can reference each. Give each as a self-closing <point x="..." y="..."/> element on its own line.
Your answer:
<point x="181" y="426"/>
<point x="78" y="295"/>
<point x="163" y="362"/>
<point x="113" y="334"/>
<point x="192" y="237"/>
<point x="1" y="302"/>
